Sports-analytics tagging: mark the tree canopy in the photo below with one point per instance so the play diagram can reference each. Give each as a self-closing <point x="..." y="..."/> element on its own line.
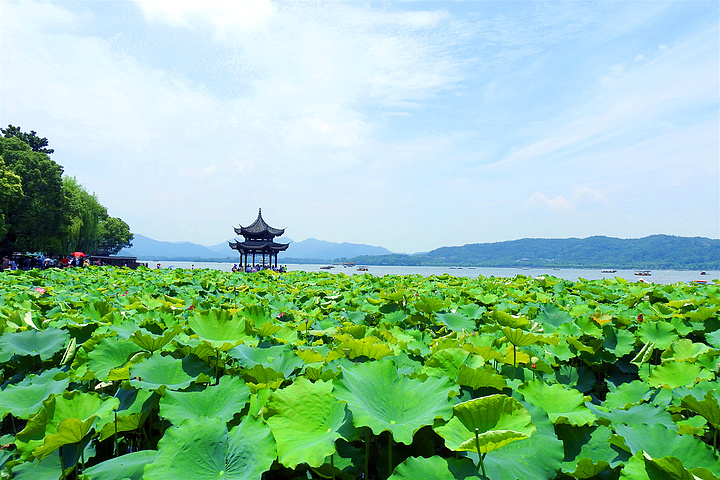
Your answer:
<point x="43" y="211"/>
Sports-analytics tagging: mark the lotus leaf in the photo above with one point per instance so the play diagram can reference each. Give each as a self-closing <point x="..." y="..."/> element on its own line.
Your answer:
<point x="437" y="468"/>
<point x="382" y="399"/>
<point x="280" y="358"/>
<point x="223" y="400"/>
<point x="448" y="362"/>
<point x="306" y="419"/>
<point x="26" y="398"/>
<point x="618" y="341"/>
<point x="685" y="349"/>
<point x="709" y="407"/>
<point x="480" y="377"/>
<point x="135" y="406"/>
<point x="129" y="466"/>
<point x="658" y="441"/>
<point x="43" y="432"/>
<point x="662" y="334"/>
<point x="203" y="449"/>
<point x="370" y="347"/>
<point x="160" y="370"/>
<point x="153" y="343"/>
<point x="642" y="466"/>
<point x="110" y="353"/>
<point x="521" y="459"/>
<point x="43" y="343"/>
<point x="637" y="414"/>
<point x="626" y="394"/>
<point x="485" y="424"/>
<point x="552" y="316"/>
<point x="588" y="450"/>
<point x="677" y="374"/>
<point x="562" y="405"/>
<point x="220" y="329"/>
<point x="456" y="322"/>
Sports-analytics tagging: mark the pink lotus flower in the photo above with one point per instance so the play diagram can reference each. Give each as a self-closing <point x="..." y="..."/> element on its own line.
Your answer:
<point x="40" y="290"/>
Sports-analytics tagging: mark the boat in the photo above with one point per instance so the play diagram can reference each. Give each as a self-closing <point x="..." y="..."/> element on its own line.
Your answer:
<point x="348" y="264"/>
<point x="362" y="269"/>
<point x="703" y="273"/>
<point x="608" y="271"/>
<point x="327" y="267"/>
<point x="644" y="273"/>
<point x="704" y="282"/>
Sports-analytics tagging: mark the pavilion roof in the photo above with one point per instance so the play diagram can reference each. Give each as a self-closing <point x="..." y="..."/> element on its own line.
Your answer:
<point x="259" y="228"/>
<point x="258" y="246"/>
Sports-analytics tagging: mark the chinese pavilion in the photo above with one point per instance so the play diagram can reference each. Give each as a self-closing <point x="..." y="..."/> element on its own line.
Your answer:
<point x="259" y="240"/>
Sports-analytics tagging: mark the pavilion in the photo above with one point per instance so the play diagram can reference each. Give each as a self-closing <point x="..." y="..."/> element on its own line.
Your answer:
<point x="259" y="240"/>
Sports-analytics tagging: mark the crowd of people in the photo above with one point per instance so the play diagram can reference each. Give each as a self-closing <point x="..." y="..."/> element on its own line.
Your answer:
<point x="256" y="268"/>
<point x="28" y="262"/>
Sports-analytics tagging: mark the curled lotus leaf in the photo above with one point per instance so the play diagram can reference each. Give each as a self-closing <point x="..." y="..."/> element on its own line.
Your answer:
<point x="203" y="449"/>
<point x="153" y="343"/>
<point x="381" y="398"/>
<point x="485" y="424"/>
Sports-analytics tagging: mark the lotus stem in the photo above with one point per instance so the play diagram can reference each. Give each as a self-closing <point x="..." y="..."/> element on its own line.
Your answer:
<point x="514" y="360"/>
<point x="367" y="452"/>
<point x="481" y="465"/>
<point x="332" y="465"/>
<point x="115" y="440"/>
<point x="390" y="463"/>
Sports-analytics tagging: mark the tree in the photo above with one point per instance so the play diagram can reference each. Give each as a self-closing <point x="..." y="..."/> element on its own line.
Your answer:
<point x="37" y="144"/>
<point x="84" y="215"/>
<point x="10" y="194"/>
<point x="115" y="235"/>
<point x="36" y="218"/>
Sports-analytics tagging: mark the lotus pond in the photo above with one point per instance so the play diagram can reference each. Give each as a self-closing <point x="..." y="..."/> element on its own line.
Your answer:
<point x="172" y="374"/>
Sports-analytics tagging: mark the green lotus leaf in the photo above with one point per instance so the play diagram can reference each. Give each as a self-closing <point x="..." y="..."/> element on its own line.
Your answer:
<point x="677" y="374"/>
<point x="506" y="319"/>
<point x="713" y="338"/>
<point x="456" y="322"/>
<point x="382" y="399"/>
<point x="588" y="450"/>
<point x="449" y="360"/>
<point x="129" y="466"/>
<point x="306" y="419"/>
<point x="626" y="394"/>
<point x="521" y="459"/>
<point x="175" y="374"/>
<point x="562" y="405"/>
<point x="658" y="441"/>
<point x="552" y="316"/>
<point x="485" y="424"/>
<point x="153" y="343"/>
<point x="69" y="431"/>
<point x="220" y="329"/>
<point x="685" y="349"/>
<point x="26" y="398"/>
<point x="429" y="305"/>
<point x="203" y="449"/>
<point x="618" y="340"/>
<point x="370" y="347"/>
<point x="223" y="401"/>
<point x="86" y="408"/>
<point x="708" y="407"/>
<point x="280" y="358"/>
<point x="637" y="414"/>
<point x="135" y="407"/>
<point x="661" y="333"/>
<point x="44" y="343"/>
<point x="50" y="468"/>
<point x="436" y="467"/>
<point x="519" y="337"/>
<point x="480" y="377"/>
<point x="110" y="353"/>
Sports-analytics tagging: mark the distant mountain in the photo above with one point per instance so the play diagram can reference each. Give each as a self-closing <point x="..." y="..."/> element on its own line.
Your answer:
<point x="146" y="248"/>
<point x="652" y="252"/>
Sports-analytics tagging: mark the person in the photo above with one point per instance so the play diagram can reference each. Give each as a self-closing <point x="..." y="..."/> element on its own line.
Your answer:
<point x="5" y="263"/>
<point x="158" y="266"/>
<point x="13" y="264"/>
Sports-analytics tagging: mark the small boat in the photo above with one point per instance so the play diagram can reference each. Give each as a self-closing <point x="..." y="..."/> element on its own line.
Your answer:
<point x="704" y="282"/>
<point x="327" y="267"/>
<point x="703" y="273"/>
<point x="348" y="264"/>
<point x="644" y="273"/>
<point x="362" y="269"/>
<point x="608" y="271"/>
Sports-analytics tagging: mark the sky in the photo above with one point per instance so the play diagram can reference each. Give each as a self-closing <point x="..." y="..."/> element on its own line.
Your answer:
<point x="405" y="124"/>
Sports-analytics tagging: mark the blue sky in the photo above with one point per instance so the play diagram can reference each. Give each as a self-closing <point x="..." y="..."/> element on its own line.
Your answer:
<point x="410" y="125"/>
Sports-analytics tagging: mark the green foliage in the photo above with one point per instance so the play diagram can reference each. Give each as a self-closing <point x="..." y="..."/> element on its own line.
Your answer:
<point x="207" y="374"/>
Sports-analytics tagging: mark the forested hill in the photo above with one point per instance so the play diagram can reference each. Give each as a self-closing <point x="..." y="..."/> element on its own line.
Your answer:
<point x="653" y="252"/>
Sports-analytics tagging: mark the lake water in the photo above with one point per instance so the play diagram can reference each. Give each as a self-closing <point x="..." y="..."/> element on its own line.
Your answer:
<point x="656" y="276"/>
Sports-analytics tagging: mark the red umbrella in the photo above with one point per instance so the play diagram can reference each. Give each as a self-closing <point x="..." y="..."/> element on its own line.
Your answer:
<point x="78" y="254"/>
